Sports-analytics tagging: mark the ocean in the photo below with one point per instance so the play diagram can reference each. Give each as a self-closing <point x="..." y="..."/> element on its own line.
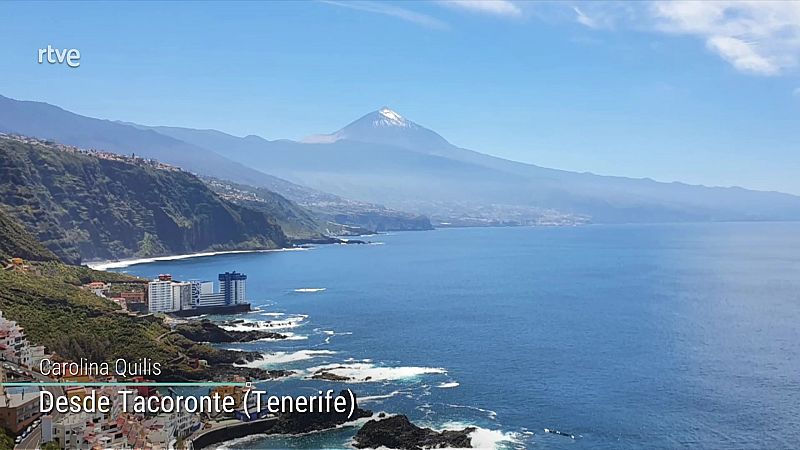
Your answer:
<point x="629" y="336"/>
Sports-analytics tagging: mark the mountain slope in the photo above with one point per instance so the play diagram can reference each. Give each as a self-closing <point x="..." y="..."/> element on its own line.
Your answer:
<point x="46" y="121"/>
<point x="327" y="207"/>
<point x="16" y="242"/>
<point x="102" y="206"/>
<point x="383" y="157"/>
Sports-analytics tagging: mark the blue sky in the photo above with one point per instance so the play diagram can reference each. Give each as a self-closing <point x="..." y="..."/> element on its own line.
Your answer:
<point x="704" y="92"/>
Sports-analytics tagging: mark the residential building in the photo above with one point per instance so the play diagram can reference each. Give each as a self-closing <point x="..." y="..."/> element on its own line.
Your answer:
<point x="133" y="297"/>
<point x="14" y="345"/>
<point x="232" y="287"/>
<point x="18" y="408"/>
<point x="160" y="295"/>
<point x="181" y="295"/>
<point x="97" y="287"/>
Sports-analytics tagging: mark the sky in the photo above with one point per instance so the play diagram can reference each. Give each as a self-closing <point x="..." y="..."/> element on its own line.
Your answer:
<point x="702" y="92"/>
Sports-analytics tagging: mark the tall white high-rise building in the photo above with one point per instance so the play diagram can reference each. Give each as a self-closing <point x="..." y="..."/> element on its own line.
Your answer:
<point x="160" y="295"/>
<point x="232" y="287"/>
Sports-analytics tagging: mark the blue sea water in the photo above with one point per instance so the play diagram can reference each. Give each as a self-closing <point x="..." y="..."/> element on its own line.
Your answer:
<point x="634" y="336"/>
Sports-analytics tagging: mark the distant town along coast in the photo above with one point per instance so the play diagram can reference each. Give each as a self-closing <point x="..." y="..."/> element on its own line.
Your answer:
<point x="195" y="297"/>
<point x="179" y="298"/>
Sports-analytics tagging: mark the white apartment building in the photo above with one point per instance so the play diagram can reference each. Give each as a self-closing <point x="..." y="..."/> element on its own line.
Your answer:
<point x="160" y="296"/>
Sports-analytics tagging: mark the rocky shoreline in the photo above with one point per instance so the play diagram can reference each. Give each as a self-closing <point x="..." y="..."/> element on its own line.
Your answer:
<point x="287" y="424"/>
<point x="207" y="331"/>
<point x="397" y="432"/>
<point x="222" y="364"/>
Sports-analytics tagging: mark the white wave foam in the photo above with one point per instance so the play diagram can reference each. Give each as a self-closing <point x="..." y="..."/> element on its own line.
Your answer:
<point x="271" y="359"/>
<point x="289" y="337"/>
<point x="309" y="290"/>
<point x="365" y="372"/>
<point x="255" y="325"/>
<point x="105" y="265"/>
<point x="273" y="314"/>
<point x="294" y="337"/>
<point x="450" y="384"/>
<point x="375" y="398"/>
<point x="484" y="437"/>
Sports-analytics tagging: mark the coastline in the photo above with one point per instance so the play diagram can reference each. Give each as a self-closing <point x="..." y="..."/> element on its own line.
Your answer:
<point x="105" y="265"/>
<point x="363" y="372"/>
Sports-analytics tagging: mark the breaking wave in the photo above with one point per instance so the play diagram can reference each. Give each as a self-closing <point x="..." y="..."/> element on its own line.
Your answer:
<point x="486" y="438"/>
<point x="309" y="290"/>
<point x="255" y="325"/>
<point x="366" y="372"/>
<point x="271" y="359"/>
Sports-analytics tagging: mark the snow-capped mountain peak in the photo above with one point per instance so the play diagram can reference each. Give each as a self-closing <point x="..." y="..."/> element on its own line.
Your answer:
<point x="387" y="117"/>
<point x="385" y="126"/>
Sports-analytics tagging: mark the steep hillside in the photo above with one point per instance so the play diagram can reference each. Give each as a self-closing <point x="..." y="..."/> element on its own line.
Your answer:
<point x="47" y="301"/>
<point x="101" y="206"/>
<point x="46" y="121"/>
<point x="296" y="222"/>
<point x="329" y="214"/>
<point x="15" y="241"/>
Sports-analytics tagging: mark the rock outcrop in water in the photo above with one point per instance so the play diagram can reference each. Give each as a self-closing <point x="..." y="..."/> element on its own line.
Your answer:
<point x="298" y="423"/>
<point x="207" y="331"/>
<point x="399" y="433"/>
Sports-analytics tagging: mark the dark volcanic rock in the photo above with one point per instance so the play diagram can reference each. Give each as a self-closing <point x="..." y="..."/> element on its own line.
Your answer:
<point x="398" y="432"/>
<point x="207" y="331"/>
<point x="297" y="423"/>
<point x="323" y="374"/>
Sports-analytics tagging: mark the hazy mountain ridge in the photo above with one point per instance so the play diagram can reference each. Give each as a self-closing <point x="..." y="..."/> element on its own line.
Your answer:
<point x="384" y="158"/>
<point x="46" y="121"/>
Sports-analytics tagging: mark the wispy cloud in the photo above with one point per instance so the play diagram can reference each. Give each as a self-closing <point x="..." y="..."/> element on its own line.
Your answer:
<point x="796" y="92"/>
<point x="503" y="8"/>
<point x="583" y="19"/>
<point x="393" y="11"/>
<point x="756" y="37"/>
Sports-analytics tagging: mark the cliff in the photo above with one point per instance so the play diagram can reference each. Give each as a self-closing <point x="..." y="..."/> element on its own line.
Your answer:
<point x="90" y="205"/>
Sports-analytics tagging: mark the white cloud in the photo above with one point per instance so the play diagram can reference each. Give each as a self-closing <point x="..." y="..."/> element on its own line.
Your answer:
<point x="742" y="55"/>
<point x="757" y="37"/>
<point x="584" y="19"/>
<point x="502" y="8"/>
<point x="392" y="10"/>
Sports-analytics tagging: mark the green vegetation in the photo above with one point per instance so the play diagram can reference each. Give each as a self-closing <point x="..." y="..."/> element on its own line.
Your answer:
<point x="19" y="243"/>
<point x="70" y="199"/>
<point x="74" y="323"/>
<point x="86" y="206"/>
<point x="6" y="441"/>
<point x="52" y="445"/>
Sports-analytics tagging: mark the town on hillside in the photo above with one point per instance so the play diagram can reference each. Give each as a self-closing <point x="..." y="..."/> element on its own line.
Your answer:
<point x="21" y="362"/>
